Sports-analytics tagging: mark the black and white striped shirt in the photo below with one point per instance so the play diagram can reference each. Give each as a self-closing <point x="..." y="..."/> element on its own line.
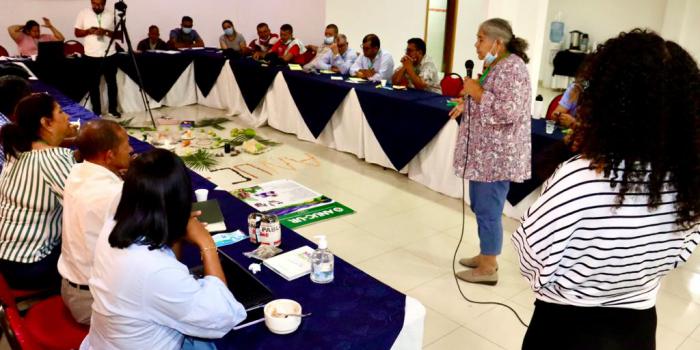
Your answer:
<point x="31" y="193"/>
<point x="577" y="248"/>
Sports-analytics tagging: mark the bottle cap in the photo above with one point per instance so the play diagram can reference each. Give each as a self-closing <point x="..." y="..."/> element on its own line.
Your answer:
<point x="322" y="242"/>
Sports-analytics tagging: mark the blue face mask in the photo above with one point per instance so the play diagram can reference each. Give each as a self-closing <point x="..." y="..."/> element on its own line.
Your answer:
<point x="328" y="40"/>
<point x="187" y="30"/>
<point x="489" y="58"/>
<point x="228" y="31"/>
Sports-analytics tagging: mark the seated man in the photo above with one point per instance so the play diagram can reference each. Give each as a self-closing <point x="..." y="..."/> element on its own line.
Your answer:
<point x="374" y="64"/>
<point x="261" y="46"/>
<point x="289" y="49"/>
<point x="29" y="35"/>
<point x="339" y="58"/>
<point x="185" y="36"/>
<point x="418" y="70"/>
<point x="153" y="42"/>
<point x="329" y="37"/>
<point x="92" y="192"/>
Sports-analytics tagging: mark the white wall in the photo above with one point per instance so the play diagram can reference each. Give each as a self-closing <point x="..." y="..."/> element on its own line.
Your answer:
<point x="394" y="21"/>
<point x="602" y="19"/>
<point x="682" y="24"/>
<point x="306" y="16"/>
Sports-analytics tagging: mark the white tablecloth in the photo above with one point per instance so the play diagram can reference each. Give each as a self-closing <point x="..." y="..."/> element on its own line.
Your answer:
<point x="347" y="131"/>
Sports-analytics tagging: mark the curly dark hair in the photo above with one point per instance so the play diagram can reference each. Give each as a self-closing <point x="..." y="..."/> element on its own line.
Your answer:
<point x="641" y="112"/>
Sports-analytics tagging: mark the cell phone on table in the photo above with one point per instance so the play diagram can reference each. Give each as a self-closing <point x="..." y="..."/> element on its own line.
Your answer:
<point x="256" y="314"/>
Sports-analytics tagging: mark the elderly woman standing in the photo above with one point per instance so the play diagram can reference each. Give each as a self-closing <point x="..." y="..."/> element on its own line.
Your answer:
<point x="493" y="146"/>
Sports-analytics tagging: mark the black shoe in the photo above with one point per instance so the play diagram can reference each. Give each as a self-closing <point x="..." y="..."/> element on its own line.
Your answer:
<point x="115" y="114"/>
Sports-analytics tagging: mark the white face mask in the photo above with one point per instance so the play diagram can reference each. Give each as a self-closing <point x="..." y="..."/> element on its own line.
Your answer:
<point x="328" y="40"/>
<point x="489" y="58"/>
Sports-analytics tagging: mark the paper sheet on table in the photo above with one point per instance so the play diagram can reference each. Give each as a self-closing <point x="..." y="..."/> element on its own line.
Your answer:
<point x="295" y="67"/>
<point x="357" y="80"/>
<point x="168" y="52"/>
<point x="327" y="71"/>
<point x="336" y="77"/>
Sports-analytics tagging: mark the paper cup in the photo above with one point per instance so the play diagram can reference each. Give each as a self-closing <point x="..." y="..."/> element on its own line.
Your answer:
<point x="201" y="194"/>
<point x="383" y="82"/>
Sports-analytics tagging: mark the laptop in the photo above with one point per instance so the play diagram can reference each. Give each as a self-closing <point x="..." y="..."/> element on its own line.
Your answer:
<point x="247" y="289"/>
<point x="50" y="51"/>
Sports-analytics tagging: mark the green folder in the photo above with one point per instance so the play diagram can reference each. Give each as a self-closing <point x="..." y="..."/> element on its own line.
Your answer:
<point x="211" y="214"/>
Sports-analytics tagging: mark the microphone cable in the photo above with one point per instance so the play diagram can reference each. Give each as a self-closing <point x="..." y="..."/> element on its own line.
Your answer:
<point x="461" y="236"/>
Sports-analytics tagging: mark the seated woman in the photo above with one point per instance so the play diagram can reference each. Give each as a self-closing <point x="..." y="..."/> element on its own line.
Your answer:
<point x="144" y="297"/>
<point x="31" y="192"/>
<point x="231" y="39"/>
<point x="29" y="35"/>
<point x="566" y="110"/>
<point x="614" y="220"/>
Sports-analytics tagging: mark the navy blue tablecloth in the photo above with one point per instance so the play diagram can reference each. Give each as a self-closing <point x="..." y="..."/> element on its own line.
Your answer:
<point x="355" y="311"/>
<point x="253" y="80"/>
<point x="548" y="151"/>
<point x="316" y="96"/>
<point x="402" y="121"/>
<point x="159" y="71"/>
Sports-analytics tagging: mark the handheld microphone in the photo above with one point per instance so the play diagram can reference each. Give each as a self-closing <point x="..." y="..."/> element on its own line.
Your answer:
<point x="469" y="65"/>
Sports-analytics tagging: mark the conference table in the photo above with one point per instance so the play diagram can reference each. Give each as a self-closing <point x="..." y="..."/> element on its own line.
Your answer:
<point x="355" y="311"/>
<point x="406" y="131"/>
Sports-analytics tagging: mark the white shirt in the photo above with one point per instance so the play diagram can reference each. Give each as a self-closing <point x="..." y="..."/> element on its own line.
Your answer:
<point x="342" y="61"/>
<point x="146" y="299"/>
<point x="95" y="46"/>
<point x="383" y="64"/>
<point x="90" y="198"/>
<point x="577" y="247"/>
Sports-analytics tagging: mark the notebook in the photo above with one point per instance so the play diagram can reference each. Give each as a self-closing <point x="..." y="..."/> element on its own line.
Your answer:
<point x="293" y="264"/>
<point x="211" y="214"/>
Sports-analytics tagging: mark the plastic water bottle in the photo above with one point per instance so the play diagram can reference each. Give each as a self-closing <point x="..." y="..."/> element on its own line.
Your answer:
<point x="322" y="262"/>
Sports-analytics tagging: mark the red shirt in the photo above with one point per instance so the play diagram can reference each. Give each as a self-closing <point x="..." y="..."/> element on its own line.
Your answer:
<point x="280" y="49"/>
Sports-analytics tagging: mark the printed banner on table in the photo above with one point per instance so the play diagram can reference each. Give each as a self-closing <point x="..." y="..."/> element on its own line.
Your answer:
<point x="294" y="204"/>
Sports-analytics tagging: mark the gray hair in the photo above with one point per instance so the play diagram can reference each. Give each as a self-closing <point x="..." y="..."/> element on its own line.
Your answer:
<point x="497" y="29"/>
<point x="342" y="36"/>
<point x="500" y="29"/>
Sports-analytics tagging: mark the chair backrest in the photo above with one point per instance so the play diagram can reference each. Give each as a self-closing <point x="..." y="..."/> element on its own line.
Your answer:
<point x="3" y="52"/>
<point x="553" y="105"/>
<point x="72" y="46"/>
<point x="452" y="85"/>
<point x="13" y="327"/>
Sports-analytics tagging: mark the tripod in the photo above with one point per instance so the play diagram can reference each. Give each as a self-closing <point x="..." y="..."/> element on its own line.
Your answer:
<point x="120" y="9"/>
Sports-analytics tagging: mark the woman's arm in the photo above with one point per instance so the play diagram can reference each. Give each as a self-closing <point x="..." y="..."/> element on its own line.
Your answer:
<point x="15" y="31"/>
<point x="56" y="33"/>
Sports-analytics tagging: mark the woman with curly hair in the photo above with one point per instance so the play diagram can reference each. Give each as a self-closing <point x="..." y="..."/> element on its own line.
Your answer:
<point x="626" y="211"/>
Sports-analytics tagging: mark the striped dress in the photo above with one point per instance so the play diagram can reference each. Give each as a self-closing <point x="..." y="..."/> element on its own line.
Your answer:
<point x="31" y="194"/>
<point x="576" y="248"/>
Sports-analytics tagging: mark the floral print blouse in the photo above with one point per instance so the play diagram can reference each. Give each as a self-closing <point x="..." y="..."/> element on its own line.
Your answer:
<point x="498" y="139"/>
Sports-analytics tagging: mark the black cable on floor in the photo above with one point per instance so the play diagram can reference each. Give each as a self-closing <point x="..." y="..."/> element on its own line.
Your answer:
<point x="461" y="236"/>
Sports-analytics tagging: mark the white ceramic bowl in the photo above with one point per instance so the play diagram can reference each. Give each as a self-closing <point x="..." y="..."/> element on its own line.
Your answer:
<point x="279" y="324"/>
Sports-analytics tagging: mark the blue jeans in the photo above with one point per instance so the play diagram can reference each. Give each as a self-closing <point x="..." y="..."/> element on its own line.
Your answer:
<point x="487" y="201"/>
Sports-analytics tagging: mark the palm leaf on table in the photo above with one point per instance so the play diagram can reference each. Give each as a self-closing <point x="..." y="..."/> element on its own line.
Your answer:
<point x="200" y="160"/>
<point x="212" y="122"/>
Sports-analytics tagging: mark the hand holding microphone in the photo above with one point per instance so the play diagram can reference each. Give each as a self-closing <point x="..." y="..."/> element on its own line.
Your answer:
<point x="472" y="88"/>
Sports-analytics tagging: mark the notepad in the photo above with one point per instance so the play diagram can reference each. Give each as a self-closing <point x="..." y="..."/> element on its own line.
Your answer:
<point x="357" y="80"/>
<point x="211" y="214"/>
<point x="293" y="264"/>
<point x="293" y="66"/>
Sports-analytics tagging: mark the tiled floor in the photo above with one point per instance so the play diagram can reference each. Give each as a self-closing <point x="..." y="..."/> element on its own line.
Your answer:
<point x="405" y="235"/>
